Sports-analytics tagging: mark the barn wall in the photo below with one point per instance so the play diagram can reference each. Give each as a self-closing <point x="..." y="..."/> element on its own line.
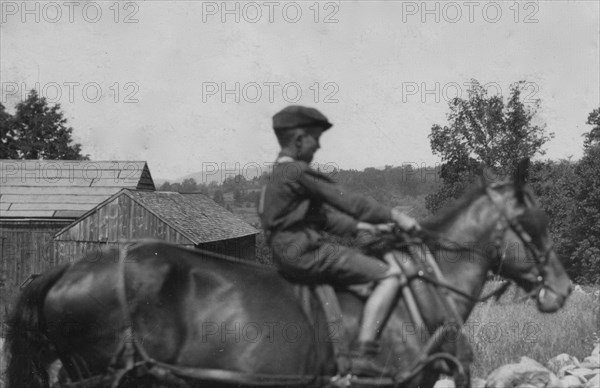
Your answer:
<point x="70" y="251"/>
<point x="120" y="219"/>
<point x="26" y="248"/>
<point x="242" y="247"/>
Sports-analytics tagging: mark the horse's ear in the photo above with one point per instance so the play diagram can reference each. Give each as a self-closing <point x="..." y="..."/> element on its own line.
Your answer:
<point x="521" y="174"/>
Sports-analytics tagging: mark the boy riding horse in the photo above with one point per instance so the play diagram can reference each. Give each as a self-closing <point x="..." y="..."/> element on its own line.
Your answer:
<point x="299" y="202"/>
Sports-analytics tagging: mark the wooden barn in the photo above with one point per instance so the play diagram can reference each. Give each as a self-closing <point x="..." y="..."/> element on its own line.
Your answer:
<point x="54" y="211"/>
<point x="192" y="220"/>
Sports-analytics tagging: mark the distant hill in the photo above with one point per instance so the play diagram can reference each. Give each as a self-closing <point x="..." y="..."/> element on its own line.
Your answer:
<point x="218" y="175"/>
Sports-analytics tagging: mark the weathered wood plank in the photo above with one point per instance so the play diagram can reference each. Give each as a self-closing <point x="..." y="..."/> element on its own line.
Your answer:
<point x="125" y="216"/>
<point x="53" y="198"/>
<point x="92" y="233"/>
<point x="52" y="206"/>
<point x="26" y="213"/>
<point x="9" y="166"/>
<point x="84" y="227"/>
<point x="76" y="182"/>
<point x="113" y="219"/>
<point x="103" y="224"/>
<point x="61" y="190"/>
<point x="68" y="213"/>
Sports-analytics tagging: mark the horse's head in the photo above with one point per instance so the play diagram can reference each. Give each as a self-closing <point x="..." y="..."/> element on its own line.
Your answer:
<point x="525" y="252"/>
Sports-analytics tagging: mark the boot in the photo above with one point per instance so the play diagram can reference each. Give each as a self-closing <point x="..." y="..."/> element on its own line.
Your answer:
<point x="364" y="363"/>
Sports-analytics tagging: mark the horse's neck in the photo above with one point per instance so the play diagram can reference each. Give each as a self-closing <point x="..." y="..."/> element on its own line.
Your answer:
<point x="467" y="269"/>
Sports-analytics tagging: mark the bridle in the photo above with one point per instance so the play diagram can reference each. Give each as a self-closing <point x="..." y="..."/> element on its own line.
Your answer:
<point x="428" y="273"/>
<point x="541" y="256"/>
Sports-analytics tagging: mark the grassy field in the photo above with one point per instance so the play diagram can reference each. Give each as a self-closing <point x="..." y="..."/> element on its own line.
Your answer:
<point x="501" y="332"/>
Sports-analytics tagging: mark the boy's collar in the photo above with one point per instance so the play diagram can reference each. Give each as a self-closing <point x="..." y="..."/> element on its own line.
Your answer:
<point x="284" y="158"/>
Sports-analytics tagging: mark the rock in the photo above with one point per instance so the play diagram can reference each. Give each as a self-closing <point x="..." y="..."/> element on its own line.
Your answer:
<point x="582" y="372"/>
<point x="572" y="381"/>
<point x="594" y="382"/>
<point x="563" y="371"/>
<point x="590" y="362"/>
<point x="526" y="372"/>
<point x="555" y="382"/>
<point x="477" y="383"/>
<point x="555" y="364"/>
<point x="444" y="383"/>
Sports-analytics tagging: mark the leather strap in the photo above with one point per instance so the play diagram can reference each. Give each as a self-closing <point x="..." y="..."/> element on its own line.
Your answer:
<point x="335" y="320"/>
<point x="446" y="297"/>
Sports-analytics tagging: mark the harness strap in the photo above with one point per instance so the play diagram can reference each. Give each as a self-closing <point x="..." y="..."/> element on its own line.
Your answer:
<point x="335" y="321"/>
<point x="408" y="272"/>
<point x="446" y="297"/>
<point x="428" y="353"/>
<point x="131" y="349"/>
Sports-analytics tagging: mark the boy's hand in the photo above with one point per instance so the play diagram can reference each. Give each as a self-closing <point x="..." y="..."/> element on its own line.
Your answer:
<point x="405" y="222"/>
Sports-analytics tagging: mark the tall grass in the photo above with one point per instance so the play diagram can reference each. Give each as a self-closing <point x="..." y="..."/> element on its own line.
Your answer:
<point x="501" y="332"/>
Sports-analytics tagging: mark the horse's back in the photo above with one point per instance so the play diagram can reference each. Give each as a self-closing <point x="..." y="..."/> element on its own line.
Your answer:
<point x="187" y="307"/>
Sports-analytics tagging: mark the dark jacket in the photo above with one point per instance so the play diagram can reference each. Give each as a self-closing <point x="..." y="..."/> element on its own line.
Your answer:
<point x="300" y="198"/>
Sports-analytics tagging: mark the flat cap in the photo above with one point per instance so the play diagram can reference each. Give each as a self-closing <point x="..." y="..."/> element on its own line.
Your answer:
<point x="296" y="116"/>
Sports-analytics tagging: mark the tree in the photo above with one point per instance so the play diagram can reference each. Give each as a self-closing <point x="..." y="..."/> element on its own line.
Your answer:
<point x="232" y="183"/>
<point x="238" y="196"/>
<point x="219" y="198"/>
<point x="39" y="131"/>
<point x="8" y="143"/>
<point x="593" y="136"/>
<point x="483" y="131"/>
<point x="166" y="186"/>
<point x="555" y="186"/>
<point x="202" y="188"/>
<point x="585" y="226"/>
<point x="189" y="185"/>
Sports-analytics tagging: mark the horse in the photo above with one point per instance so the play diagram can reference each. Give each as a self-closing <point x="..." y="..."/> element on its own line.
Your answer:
<point x="204" y="318"/>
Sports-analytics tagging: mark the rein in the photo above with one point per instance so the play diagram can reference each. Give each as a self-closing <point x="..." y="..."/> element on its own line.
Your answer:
<point x="541" y="257"/>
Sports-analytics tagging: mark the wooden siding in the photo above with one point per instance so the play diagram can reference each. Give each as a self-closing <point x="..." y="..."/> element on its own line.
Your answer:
<point x="26" y="248"/>
<point x="118" y="220"/>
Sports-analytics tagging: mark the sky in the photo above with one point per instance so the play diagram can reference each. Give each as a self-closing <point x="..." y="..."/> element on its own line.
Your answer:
<point x="190" y="85"/>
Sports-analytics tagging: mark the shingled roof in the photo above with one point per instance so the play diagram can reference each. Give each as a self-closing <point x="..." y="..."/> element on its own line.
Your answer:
<point x="59" y="189"/>
<point x="196" y="216"/>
